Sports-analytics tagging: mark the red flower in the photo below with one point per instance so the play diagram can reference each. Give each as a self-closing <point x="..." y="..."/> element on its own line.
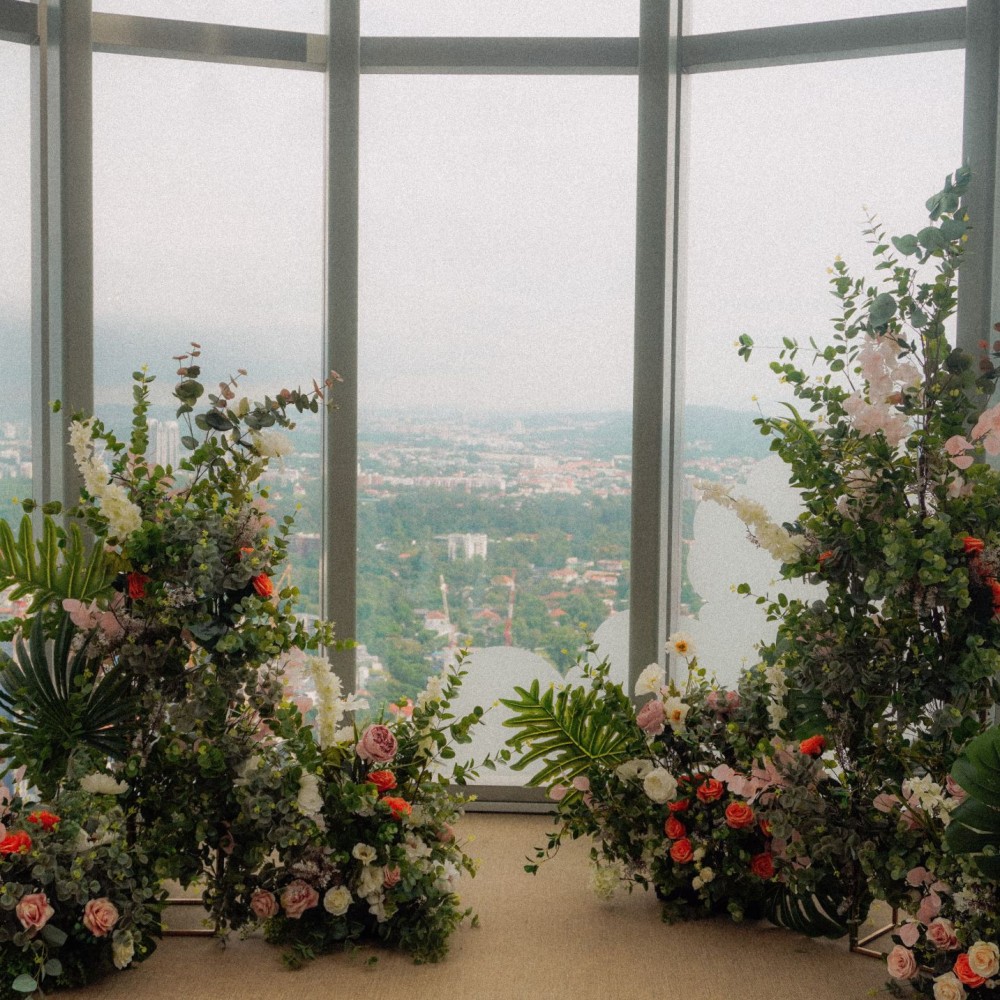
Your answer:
<point x="384" y="781"/>
<point x="46" y="820"/>
<point x="674" y="828"/>
<point x="710" y="790"/>
<point x="681" y="851"/>
<point x="762" y="865"/>
<point x="679" y="805"/>
<point x="995" y="592"/>
<point x="813" y="746"/>
<point x="765" y="827"/>
<point x="972" y="545"/>
<point x="136" y="585"/>
<point x="16" y="843"/>
<point x="739" y="815"/>
<point x="823" y="556"/>
<point x="398" y="807"/>
<point x="262" y="585"/>
<point x="965" y="973"/>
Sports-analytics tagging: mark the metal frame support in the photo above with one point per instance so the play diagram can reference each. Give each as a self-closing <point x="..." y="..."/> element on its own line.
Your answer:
<point x="338" y="585"/>
<point x="658" y="399"/>
<point x="979" y="289"/>
<point x="62" y="340"/>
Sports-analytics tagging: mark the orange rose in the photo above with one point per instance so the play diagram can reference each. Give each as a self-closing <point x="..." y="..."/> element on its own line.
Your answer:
<point x="46" y="820"/>
<point x="135" y="583"/>
<point x="681" y="851"/>
<point x="710" y="790"/>
<point x="674" y="828"/>
<point x="964" y="972"/>
<point x="972" y="545"/>
<point x="813" y="746"/>
<point x="823" y="556"/>
<point x="384" y="781"/>
<point x="16" y="843"/>
<point x="398" y="807"/>
<point x="262" y="585"/>
<point x="762" y="865"/>
<point x="739" y="815"/>
<point x="765" y="827"/>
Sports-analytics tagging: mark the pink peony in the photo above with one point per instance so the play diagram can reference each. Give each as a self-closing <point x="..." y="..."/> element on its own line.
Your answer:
<point x="902" y="964"/>
<point x="297" y="897"/>
<point x="100" y="916"/>
<point x="651" y="718"/>
<point x="941" y="934"/>
<point x="377" y="744"/>
<point x="34" y="911"/>
<point x="263" y="904"/>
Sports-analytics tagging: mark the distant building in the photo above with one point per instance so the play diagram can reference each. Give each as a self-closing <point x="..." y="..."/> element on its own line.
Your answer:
<point x="165" y="441"/>
<point x="467" y="546"/>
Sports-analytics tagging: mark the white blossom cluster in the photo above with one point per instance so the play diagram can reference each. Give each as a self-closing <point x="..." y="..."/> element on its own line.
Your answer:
<point x="123" y="516"/>
<point x="770" y="536"/>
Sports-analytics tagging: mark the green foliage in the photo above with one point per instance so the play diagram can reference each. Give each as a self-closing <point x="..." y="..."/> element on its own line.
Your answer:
<point x="975" y="825"/>
<point x="59" y="699"/>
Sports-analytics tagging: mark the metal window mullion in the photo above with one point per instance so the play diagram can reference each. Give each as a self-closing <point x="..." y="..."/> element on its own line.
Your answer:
<point x="657" y="396"/>
<point x="979" y="288"/>
<point x="338" y="584"/>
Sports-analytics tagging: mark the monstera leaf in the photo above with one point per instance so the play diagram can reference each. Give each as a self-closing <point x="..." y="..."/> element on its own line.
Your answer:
<point x="814" y="914"/>
<point x="975" y="825"/>
<point x="570" y="730"/>
<point x="56" y="702"/>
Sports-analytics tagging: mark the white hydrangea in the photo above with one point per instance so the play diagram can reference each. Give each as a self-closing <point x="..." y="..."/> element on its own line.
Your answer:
<point x="650" y="680"/>
<point x="604" y="880"/>
<point x="102" y="784"/>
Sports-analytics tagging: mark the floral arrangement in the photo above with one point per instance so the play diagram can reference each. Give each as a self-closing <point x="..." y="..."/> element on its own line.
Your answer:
<point x="76" y="901"/>
<point x="381" y="859"/>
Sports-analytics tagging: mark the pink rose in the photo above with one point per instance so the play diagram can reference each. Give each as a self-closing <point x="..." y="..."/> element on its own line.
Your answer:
<point x="391" y="876"/>
<point x="377" y="744"/>
<point x="297" y="897"/>
<point x="99" y="916"/>
<point x="902" y="964"/>
<point x="651" y="718"/>
<point x="954" y="789"/>
<point x="930" y="907"/>
<point x="941" y="934"/>
<point x="34" y="911"/>
<point x="263" y="904"/>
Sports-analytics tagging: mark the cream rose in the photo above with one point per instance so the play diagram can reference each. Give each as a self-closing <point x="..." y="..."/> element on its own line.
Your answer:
<point x="948" y="987"/>
<point x="337" y="900"/>
<point x="902" y="964"/>
<point x="660" y="785"/>
<point x="100" y="916"/>
<point x="984" y="959"/>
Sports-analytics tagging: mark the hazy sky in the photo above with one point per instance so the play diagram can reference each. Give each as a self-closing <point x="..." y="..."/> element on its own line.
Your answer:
<point x="497" y="213"/>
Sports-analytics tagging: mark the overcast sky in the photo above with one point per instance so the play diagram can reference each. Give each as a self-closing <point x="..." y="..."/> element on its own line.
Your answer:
<point x="497" y="213"/>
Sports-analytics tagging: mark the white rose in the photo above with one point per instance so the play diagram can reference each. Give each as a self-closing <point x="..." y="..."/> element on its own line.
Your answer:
<point x="309" y="799"/>
<point x="660" y="785"/>
<point x="948" y="987"/>
<point x="984" y="959"/>
<point x="706" y="875"/>
<point x="676" y="713"/>
<point x="102" y="784"/>
<point x="632" y="769"/>
<point x="365" y="854"/>
<point x="122" y="948"/>
<point x="337" y="901"/>
<point x="650" y="680"/>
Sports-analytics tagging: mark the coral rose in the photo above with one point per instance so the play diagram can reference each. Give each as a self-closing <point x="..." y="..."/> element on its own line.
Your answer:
<point x="962" y="969"/>
<point x="377" y="744"/>
<point x="652" y="717"/>
<point x="34" y="911"/>
<point x="297" y="897"/>
<point x="674" y="828"/>
<point x="984" y="959"/>
<point x="681" y="805"/>
<point x="972" y="545"/>
<point x="100" y="916"/>
<point x="762" y="865"/>
<point x="739" y="815"/>
<point x="263" y="904"/>
<point x="681" y="851"/>
<point x="398" y="807"/>
<point x="16" y="843"/>
<point x="813" y="746"/>
<point x="263" y="585"/>
<point x="46" y="820"/>
<point x="136" y="585"/>
<point x="384" y="781"/>
<point x="902" y="964"/>
<point x="710" y="790"/>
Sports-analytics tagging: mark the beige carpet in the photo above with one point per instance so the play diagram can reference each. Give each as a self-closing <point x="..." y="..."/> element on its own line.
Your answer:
<point x="543" y="936"/>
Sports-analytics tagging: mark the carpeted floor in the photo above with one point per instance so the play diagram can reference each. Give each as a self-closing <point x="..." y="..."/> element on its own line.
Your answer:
<point x="544" y="936"/>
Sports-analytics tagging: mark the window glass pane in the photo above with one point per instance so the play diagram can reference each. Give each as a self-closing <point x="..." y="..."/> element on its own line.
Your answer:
<point x="208" y="208"/>
<point x="500" y="17"/>
<point x="777" y="188"/>
<point x="284" y="15"/>
<point x="497" y="275"/>
<point x="15" y="289"/>
<point x="724" y="15"/>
